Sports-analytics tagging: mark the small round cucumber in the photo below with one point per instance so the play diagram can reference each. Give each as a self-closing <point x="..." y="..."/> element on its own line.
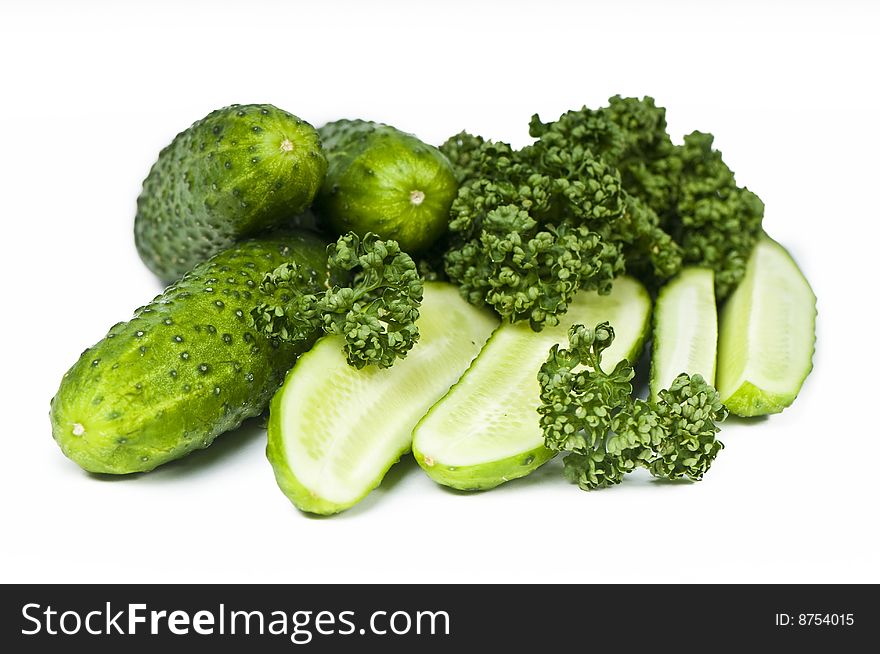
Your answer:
<point x="486" y="430"/>
<point x="385" y="181"/>
<point x="685" y="329"/>
<point x="334" y="431"/>
<point x="767" y="334"/>
<point x="234" y="173"/>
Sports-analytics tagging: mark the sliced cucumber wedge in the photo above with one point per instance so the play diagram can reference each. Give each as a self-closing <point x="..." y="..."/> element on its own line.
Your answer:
<point x="486" y="430"/>
<point x="685" y="329"/>
<point x="334" y="431"/>
<point x="767" y="334"/>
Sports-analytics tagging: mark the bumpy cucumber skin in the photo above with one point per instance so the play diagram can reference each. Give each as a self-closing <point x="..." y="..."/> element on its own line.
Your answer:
<point x="238" y="171"/>
<point x="186" y="368"/>
<point x="373" y="170"/>
<point x="748" y="400"/>
<point x="490" y="475"/>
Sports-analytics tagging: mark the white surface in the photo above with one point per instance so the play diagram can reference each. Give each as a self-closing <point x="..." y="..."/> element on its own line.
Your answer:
<point x="92" y="91"/>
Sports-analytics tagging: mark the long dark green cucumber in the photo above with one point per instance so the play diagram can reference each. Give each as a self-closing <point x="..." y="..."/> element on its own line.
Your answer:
<point x="186" y="368"/>
<point x="238" y="171"/>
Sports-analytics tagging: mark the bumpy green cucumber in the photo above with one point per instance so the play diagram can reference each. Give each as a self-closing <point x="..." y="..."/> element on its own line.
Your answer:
<point x="385" y="181"/>
<point x="685" y="329"/>
<point x="486" y="430"/>
<point x="334" y="431"/>
<point x="767" y="334"/>
<point x="186" y="368"/>
<point x="236" y="172"/>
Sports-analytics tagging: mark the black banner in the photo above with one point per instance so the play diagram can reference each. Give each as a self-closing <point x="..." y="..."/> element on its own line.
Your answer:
<point x="434" y="618"/>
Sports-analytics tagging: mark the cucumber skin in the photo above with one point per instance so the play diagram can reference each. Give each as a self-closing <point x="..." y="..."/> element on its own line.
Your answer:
<point x="371" y="168"/>
<point x="300" y="496"/>
<point x="748" y="400"/>
<point x="486" y="476"/>
<point x="223" y="179"/>
<point x="136" y="415"/>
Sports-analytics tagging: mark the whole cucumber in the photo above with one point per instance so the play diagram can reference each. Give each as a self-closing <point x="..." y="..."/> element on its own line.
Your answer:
<point x="186" y="368"/>
<point x="382" y="180"/>
<point x="238" y="171"/>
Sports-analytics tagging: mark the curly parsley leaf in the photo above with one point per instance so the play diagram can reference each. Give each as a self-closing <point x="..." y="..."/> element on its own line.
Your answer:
<point x="592" y="415"/>
<point x="372" y="300"/>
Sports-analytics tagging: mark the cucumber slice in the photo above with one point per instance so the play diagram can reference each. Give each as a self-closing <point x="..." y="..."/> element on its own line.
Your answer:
<point x="685" y="329"/>
<point x="334" y="431"/>
<point x="486" y="430"/>
<point x="768" y="334"/>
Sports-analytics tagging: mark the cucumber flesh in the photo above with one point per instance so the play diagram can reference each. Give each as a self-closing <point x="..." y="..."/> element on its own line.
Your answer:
<point x="334" y="431"/>
<point x="767" y="334"/>
<point x="685" y="329"/>
<point x="486" y="430"/>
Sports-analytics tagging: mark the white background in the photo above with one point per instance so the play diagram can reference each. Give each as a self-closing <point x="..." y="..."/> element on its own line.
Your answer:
<point x="91" y="91"/>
